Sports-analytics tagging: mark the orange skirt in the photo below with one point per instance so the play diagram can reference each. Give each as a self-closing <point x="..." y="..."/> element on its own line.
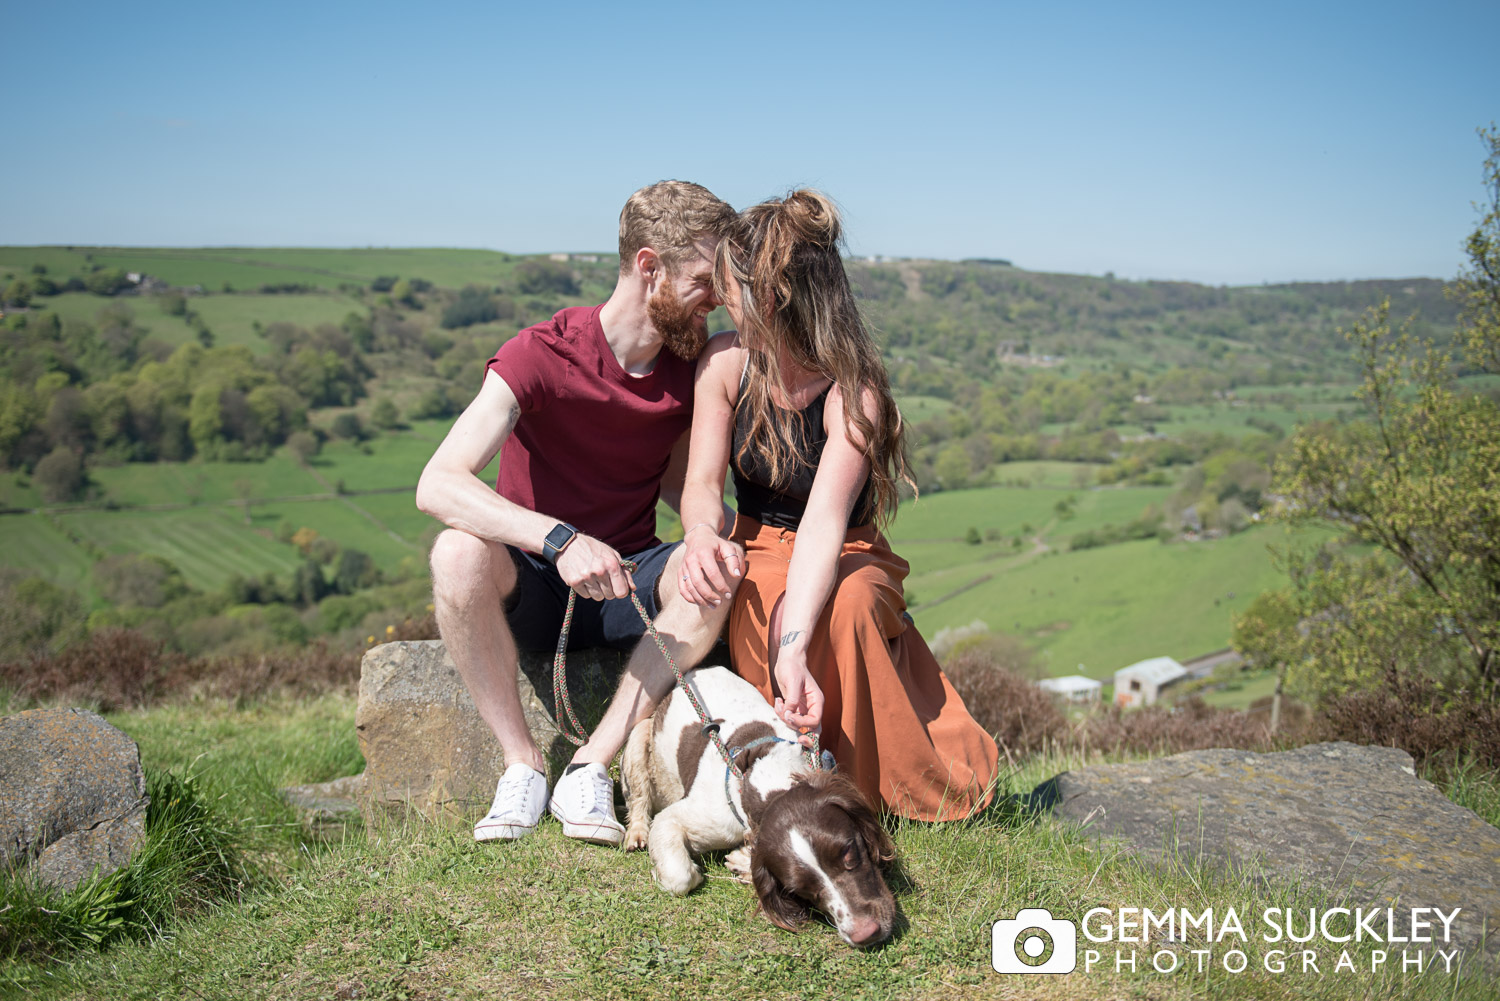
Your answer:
<point x="891" y="718"/>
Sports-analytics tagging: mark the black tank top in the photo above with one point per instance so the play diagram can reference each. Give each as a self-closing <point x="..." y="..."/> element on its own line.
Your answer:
<point x="783" y="508"/>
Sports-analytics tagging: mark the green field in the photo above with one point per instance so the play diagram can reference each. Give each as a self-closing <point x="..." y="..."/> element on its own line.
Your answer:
<point x="1094" y="611"/>
<point x="1103" y="608"/>
<point x="916" y="409"/>
<point x="208" y="544"/>
<point x="231" y="318"/>
<point x="251" y="267"/>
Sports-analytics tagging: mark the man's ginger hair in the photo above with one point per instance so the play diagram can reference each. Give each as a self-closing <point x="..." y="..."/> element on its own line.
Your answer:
<point x="669" y="217"/>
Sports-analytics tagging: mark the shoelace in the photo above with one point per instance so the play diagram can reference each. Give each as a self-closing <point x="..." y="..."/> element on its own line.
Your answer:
<point x="604" y="792"/>
<point x="515" y="799"/>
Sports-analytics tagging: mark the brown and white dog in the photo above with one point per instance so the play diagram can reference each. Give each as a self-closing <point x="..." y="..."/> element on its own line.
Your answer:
<point x="809" y="837"/>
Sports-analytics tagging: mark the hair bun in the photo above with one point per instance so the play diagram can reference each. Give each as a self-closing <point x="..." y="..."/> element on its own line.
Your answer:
<point x="812" y="217"/>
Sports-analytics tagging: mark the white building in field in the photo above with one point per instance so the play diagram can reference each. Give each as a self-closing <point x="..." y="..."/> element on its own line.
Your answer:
<point x="1142" y="683"/>
<point x="1072" y="688"/>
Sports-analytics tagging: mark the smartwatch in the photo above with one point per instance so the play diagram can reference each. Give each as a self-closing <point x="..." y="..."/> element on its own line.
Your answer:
<point x="557" y="540"/>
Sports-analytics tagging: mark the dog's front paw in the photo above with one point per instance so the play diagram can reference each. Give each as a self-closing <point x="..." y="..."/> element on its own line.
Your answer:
<point x="636" y="837"/>
<point x="678" y="880"/>
<point x="738" y="864"/>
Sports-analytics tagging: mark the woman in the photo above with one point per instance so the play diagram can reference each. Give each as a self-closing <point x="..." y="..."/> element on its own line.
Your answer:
<point x="799" y="400"/>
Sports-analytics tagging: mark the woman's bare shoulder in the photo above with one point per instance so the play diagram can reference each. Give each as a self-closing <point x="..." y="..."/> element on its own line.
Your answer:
<point x="721" y="362"/>
<point x="833" y="413"/>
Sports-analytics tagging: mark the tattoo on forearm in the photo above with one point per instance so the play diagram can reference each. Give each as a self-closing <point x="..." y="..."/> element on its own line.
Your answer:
<point x="787" y="639"/>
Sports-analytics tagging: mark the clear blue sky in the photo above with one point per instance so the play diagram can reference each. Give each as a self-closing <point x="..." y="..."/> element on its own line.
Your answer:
<point x="1209" y="142"/>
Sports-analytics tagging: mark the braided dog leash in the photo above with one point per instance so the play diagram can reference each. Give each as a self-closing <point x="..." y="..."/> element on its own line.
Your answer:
<point x="572" y="729"/>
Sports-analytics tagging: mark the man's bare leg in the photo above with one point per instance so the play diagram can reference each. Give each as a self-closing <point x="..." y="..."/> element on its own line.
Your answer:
<point x="689" y="632"/>
<point x="471" y="578"/>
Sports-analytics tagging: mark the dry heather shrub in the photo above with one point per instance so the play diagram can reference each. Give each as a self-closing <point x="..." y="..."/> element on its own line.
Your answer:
<point x="1411" y="712"/>
<point x="1193" y="725"/>
<point x="112" y="668"/>
<point x="423" y="628"/>
<point x="1013" y="709"/>
<point x="311" y="670"/>
<point x="122" y="669"/>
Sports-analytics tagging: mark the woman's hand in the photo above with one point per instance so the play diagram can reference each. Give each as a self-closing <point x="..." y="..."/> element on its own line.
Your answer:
<point x="800" y="704"/>
<point x="707" y="560"/>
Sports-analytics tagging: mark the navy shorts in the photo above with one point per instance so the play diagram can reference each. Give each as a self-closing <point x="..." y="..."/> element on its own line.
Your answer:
<point x="537" y="606"/>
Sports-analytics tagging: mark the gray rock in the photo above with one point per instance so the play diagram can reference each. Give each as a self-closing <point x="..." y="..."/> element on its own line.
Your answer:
<point x="328" y="809"/>
<point x="426" y="747"/>
<point x="72" y="794"/>
<point x="1338" y="816"/>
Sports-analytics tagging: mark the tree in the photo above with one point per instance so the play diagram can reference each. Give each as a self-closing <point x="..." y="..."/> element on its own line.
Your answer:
<point x="384" y="414"/>
<point x="952" y="467"/>
<point x="1478" y="285"/>
<point x="473" y="305"/>
<point x="355" y="570"/>
<point x="308" y="585"/>
<point x="1417" y="482"/>
<point x="348" y="426"/>
<point x="18" y="293"/>
<point x="106" y="281"/>
<point x="538" y="277"/>
<point x="304" y="445"/>
<point x="143" y="581"/>
<point x="60" y="476"/>
<point x="36" y="616"/>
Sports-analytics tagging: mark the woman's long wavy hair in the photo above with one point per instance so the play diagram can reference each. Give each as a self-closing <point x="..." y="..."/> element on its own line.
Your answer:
<point x="797" y="303"/>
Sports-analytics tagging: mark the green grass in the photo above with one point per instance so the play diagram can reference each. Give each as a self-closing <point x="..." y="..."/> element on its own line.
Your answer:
<point x="423" y="911"/>
<point x="251" y="267"/>
<point x="915" y="408"/>
<point x="949" y="514"/>
<point x="31" y="542"/>
<point x="388" y="460"/>
<point x="208" y="544"/>
<point x="345" y="521"/>
<point x="1245" y="689"/>
<point x="1230" y="419"/>
<point x="231" y="318"/>
<point x="1045" y="473"/>
<point x="191" y="512"/>
<point x="151" y="483"/>
<point x="1108" y="607"/>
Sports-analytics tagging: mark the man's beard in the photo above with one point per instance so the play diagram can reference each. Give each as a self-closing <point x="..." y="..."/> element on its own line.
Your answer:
<point x="682" y="331"/>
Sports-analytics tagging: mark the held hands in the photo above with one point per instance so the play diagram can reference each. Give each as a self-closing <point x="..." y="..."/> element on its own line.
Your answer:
<point x="593" y="569"/>
<point x="707" y="563"/>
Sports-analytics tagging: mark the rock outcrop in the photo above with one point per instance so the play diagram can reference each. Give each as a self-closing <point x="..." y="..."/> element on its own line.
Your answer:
<point x="1351" y="820"/>
<point x="426" y="747"/>
<point x="72" y="794"/>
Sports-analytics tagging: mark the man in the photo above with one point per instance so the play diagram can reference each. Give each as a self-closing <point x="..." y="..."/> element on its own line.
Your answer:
<point x="590" y="416"/>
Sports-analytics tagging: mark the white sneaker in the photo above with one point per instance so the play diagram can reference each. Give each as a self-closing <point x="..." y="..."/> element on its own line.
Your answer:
<point x="584" y="800"/>
<point x="520" y="798"/>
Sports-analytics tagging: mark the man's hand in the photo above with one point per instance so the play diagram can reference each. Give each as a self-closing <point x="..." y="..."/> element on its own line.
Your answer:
<point x="801" y="702"/>
<point x="593" y="569"/>
<point x="706" y="561"/>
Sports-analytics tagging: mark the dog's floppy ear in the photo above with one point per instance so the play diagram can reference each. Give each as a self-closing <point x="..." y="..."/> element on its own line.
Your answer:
<point x="783" y="909"/>
<point x="843" y="793"/>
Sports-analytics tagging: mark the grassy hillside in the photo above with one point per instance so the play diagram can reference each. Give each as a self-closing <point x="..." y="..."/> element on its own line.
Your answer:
<point x="422" y="911"/>
<point x="1102" y="608"/>
<point x="251" y="267"/>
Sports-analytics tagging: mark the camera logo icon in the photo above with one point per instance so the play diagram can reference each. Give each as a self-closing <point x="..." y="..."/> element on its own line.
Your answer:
<point x="1034" y="942"/>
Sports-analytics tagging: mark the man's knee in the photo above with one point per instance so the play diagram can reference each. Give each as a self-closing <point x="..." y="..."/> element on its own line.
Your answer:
<point x="465" y="566"/>
<point x="668" y="585"/>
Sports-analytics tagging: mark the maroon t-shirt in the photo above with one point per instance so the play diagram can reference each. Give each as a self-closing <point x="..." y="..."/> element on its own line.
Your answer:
<point x="592" y="441"/>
